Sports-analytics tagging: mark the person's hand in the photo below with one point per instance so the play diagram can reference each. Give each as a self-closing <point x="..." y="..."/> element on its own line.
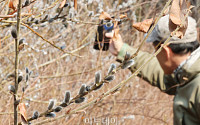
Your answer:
<point x="115" y="42"/>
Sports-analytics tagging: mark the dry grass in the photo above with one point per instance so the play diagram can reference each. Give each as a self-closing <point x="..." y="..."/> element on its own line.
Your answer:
<point x="137" y="103"/>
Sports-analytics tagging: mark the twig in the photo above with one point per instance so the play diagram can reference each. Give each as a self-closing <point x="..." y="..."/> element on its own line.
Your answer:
<point x="13" y="16"/>
<point x="39" y="101"/>
<point x="17" y="60"/>
<point x="72" y="74"/>
<point x="63" y="56"/>
<point x="78" y="21"/>
<point x="133" y="6"/>
<point x="49" y="41"/>
<point x="7" y="113"/>
<point x="7" y="16"/>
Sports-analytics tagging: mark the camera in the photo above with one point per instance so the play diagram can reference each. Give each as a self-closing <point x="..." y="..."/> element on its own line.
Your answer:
<point x="102" y="42"/>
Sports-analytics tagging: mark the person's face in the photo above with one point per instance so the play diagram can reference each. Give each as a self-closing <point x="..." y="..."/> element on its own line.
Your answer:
<point x="165" y="59"/>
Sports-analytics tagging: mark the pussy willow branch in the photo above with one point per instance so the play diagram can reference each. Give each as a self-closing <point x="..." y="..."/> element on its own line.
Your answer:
<point x="95" y="86"/>
<point x="113" y="90"/>
<point x="17" y="60"/>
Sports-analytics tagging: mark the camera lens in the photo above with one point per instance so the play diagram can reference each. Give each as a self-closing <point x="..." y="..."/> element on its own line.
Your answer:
<point x="109" y="24"/>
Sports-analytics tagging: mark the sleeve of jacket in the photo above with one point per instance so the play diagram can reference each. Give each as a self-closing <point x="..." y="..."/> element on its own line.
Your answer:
<point x="152" y="72"/>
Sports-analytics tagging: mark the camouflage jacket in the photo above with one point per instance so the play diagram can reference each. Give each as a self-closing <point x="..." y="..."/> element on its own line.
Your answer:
<point x="184" y="83"/>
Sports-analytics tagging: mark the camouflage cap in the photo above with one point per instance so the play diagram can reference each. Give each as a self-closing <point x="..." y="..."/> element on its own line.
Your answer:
<point x="161" y="32"/>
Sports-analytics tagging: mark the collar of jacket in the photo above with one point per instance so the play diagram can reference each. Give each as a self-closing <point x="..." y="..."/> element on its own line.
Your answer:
<point x="187" y="70"/>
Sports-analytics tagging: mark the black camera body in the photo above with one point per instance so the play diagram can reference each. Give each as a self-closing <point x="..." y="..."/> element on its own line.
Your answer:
<point x="102" y="42"/>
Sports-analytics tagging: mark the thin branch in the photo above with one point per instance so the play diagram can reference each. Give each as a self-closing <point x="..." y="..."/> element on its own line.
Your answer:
<point x="78" y="21"/>
<point x="14" y="15"/>
<point x="49" y="41"/>
<point x="39" y="101"/>
<point x="17" y="60"/>
<point x="134" y="6"/>
<point x="7" y="113"/>
<point x="72" y="74"/>
<point x="7" y="16"/>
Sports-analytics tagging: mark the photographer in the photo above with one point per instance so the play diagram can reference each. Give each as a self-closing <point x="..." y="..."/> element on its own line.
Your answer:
<point x="175" y="70"/>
